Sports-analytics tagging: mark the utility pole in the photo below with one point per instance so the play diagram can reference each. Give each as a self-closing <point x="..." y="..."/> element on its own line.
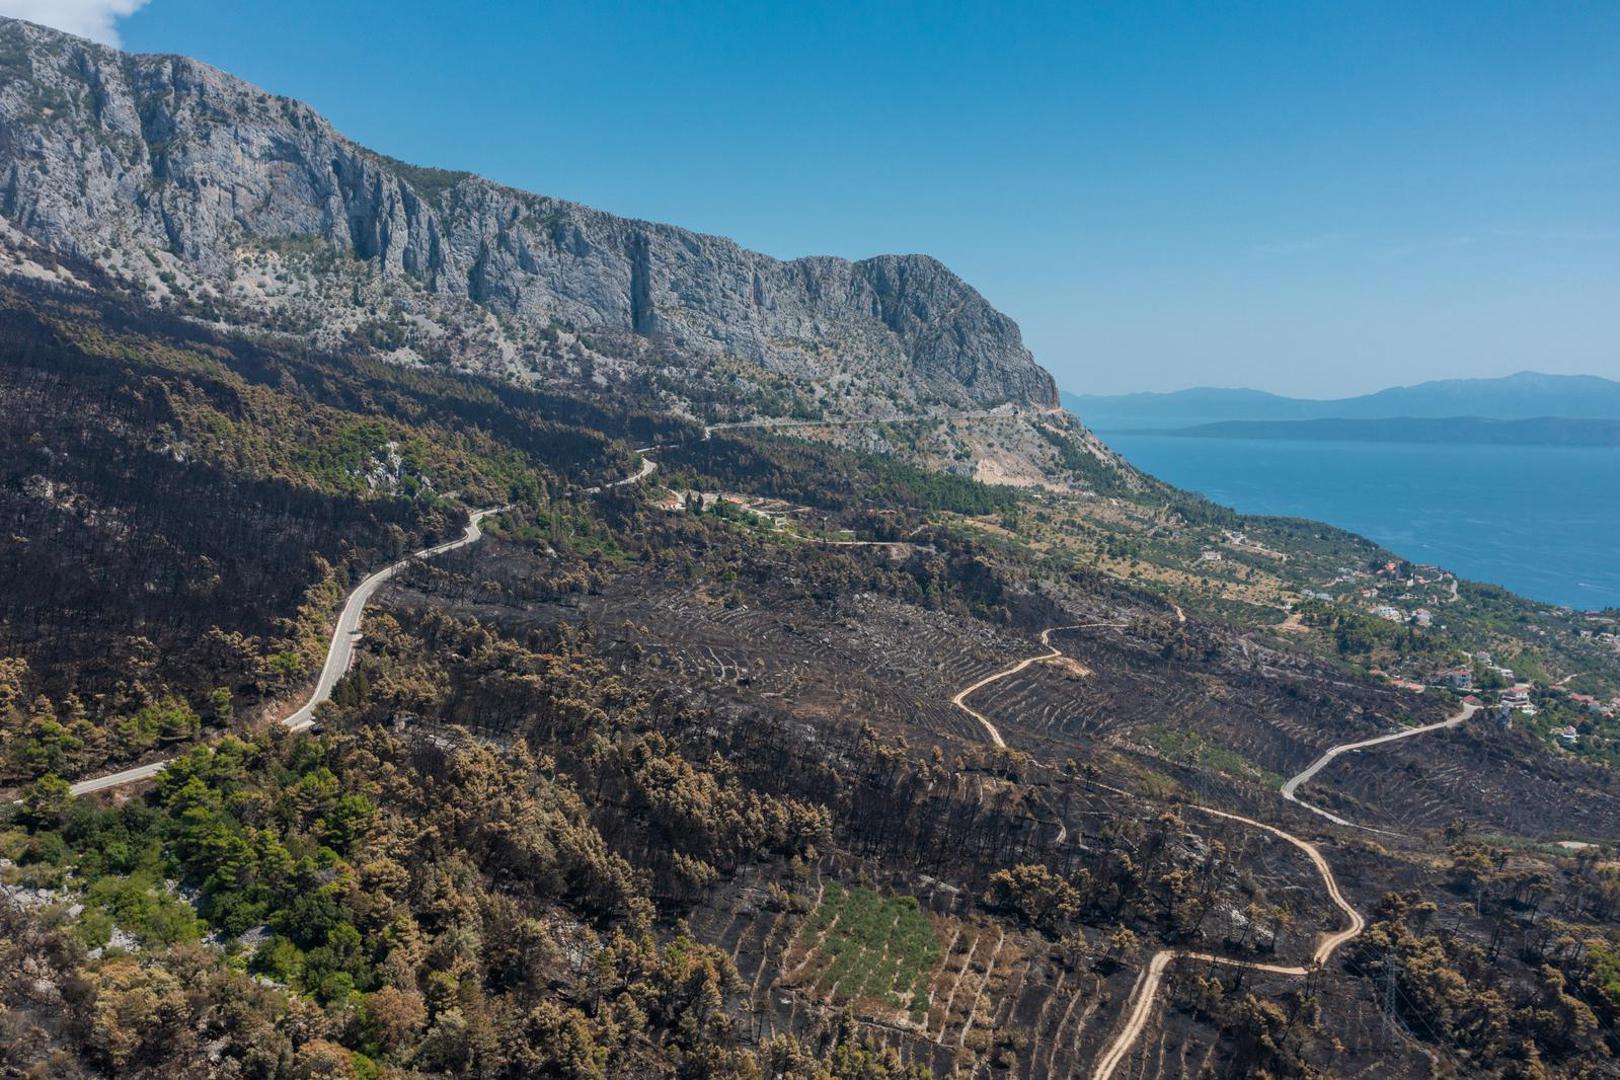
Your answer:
<point x="1389" y="999"/>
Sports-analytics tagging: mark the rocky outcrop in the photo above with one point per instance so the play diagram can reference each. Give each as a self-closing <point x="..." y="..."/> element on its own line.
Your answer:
<point x="108" y="156"/>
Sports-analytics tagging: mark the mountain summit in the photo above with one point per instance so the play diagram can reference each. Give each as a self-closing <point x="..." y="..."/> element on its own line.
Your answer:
<point x="205" y="193"/>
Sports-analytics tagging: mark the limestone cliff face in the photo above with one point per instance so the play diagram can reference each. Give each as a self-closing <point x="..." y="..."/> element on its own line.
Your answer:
<point x="105" y="154"/>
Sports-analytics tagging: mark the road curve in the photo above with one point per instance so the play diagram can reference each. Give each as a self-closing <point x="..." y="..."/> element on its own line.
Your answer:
<point x="647" y="468"/>
<point x="339" y="653"/>
<point x="1142" y="995"/>
<point x="794" y="422"/>
<point x="1292" y="784"/>
<point x="1000" y="412"/>
<point x="960" y="700"/>
<point x="1140" y="1004"/>
<point x="1147" y="988"/>
<point x="1147" y="985"/>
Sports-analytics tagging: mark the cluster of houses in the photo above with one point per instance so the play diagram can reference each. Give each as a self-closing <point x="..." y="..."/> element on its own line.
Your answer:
<point x="1568" y="734"/>
<point x="1244" y="542"/>
<point x="1395" y="574"/>
<point x="1417" y="617"/>
<point x="1377" y="590"/>
<point x="1515" y="698"/>
<point x="1605" y="637"/>
<point x="1417" y="577"/>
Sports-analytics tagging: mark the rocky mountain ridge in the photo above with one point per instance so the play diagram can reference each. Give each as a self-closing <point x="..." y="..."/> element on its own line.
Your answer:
<point x="205" y="192"/>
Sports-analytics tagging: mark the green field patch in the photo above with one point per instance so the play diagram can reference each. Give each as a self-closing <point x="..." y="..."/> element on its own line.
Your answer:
<point x="863" y="946"/>
<point x="1191" y="748"/>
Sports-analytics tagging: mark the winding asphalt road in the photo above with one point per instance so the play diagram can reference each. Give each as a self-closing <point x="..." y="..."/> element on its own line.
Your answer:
<point x="648" y="467"/>
<point x="1292" y="785"/>
<point x="340" y="652"/>
<point x="792" y="422"/>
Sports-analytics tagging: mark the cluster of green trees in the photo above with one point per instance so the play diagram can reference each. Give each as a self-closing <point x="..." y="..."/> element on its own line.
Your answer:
<point x="1081" y="465"/>
<point x="831" y="478"/>
<point x="450" y="909"/>
<point x="1536" y="1002"/>
<point x="1366" y="638"/>
<point x="145" y="711"/>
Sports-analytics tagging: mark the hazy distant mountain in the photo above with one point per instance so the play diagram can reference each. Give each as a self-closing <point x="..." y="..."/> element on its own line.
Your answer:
<point x="1543" y="431"/>
<point x="1527" y="395"/>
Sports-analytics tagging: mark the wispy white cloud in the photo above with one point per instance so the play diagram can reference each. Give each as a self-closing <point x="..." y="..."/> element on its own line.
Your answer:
<point x="94" y="19"/>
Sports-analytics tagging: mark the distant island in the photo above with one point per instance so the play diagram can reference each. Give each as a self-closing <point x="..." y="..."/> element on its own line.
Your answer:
<point x="1541" y="431"/>
<point x="1527" y="396"/>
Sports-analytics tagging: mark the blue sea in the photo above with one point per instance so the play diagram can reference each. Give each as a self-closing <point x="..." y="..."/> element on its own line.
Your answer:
<point x="1543" y="521"/>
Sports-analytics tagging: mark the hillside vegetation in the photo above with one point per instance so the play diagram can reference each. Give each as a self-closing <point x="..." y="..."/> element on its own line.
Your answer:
<point x="758" y="678"/>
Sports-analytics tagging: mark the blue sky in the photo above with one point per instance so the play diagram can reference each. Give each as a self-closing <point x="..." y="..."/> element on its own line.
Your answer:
<point x="1315" y="198"/>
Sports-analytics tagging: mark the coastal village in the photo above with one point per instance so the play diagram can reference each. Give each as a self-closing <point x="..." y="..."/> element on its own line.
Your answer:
<point x="1507" y="690"/>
